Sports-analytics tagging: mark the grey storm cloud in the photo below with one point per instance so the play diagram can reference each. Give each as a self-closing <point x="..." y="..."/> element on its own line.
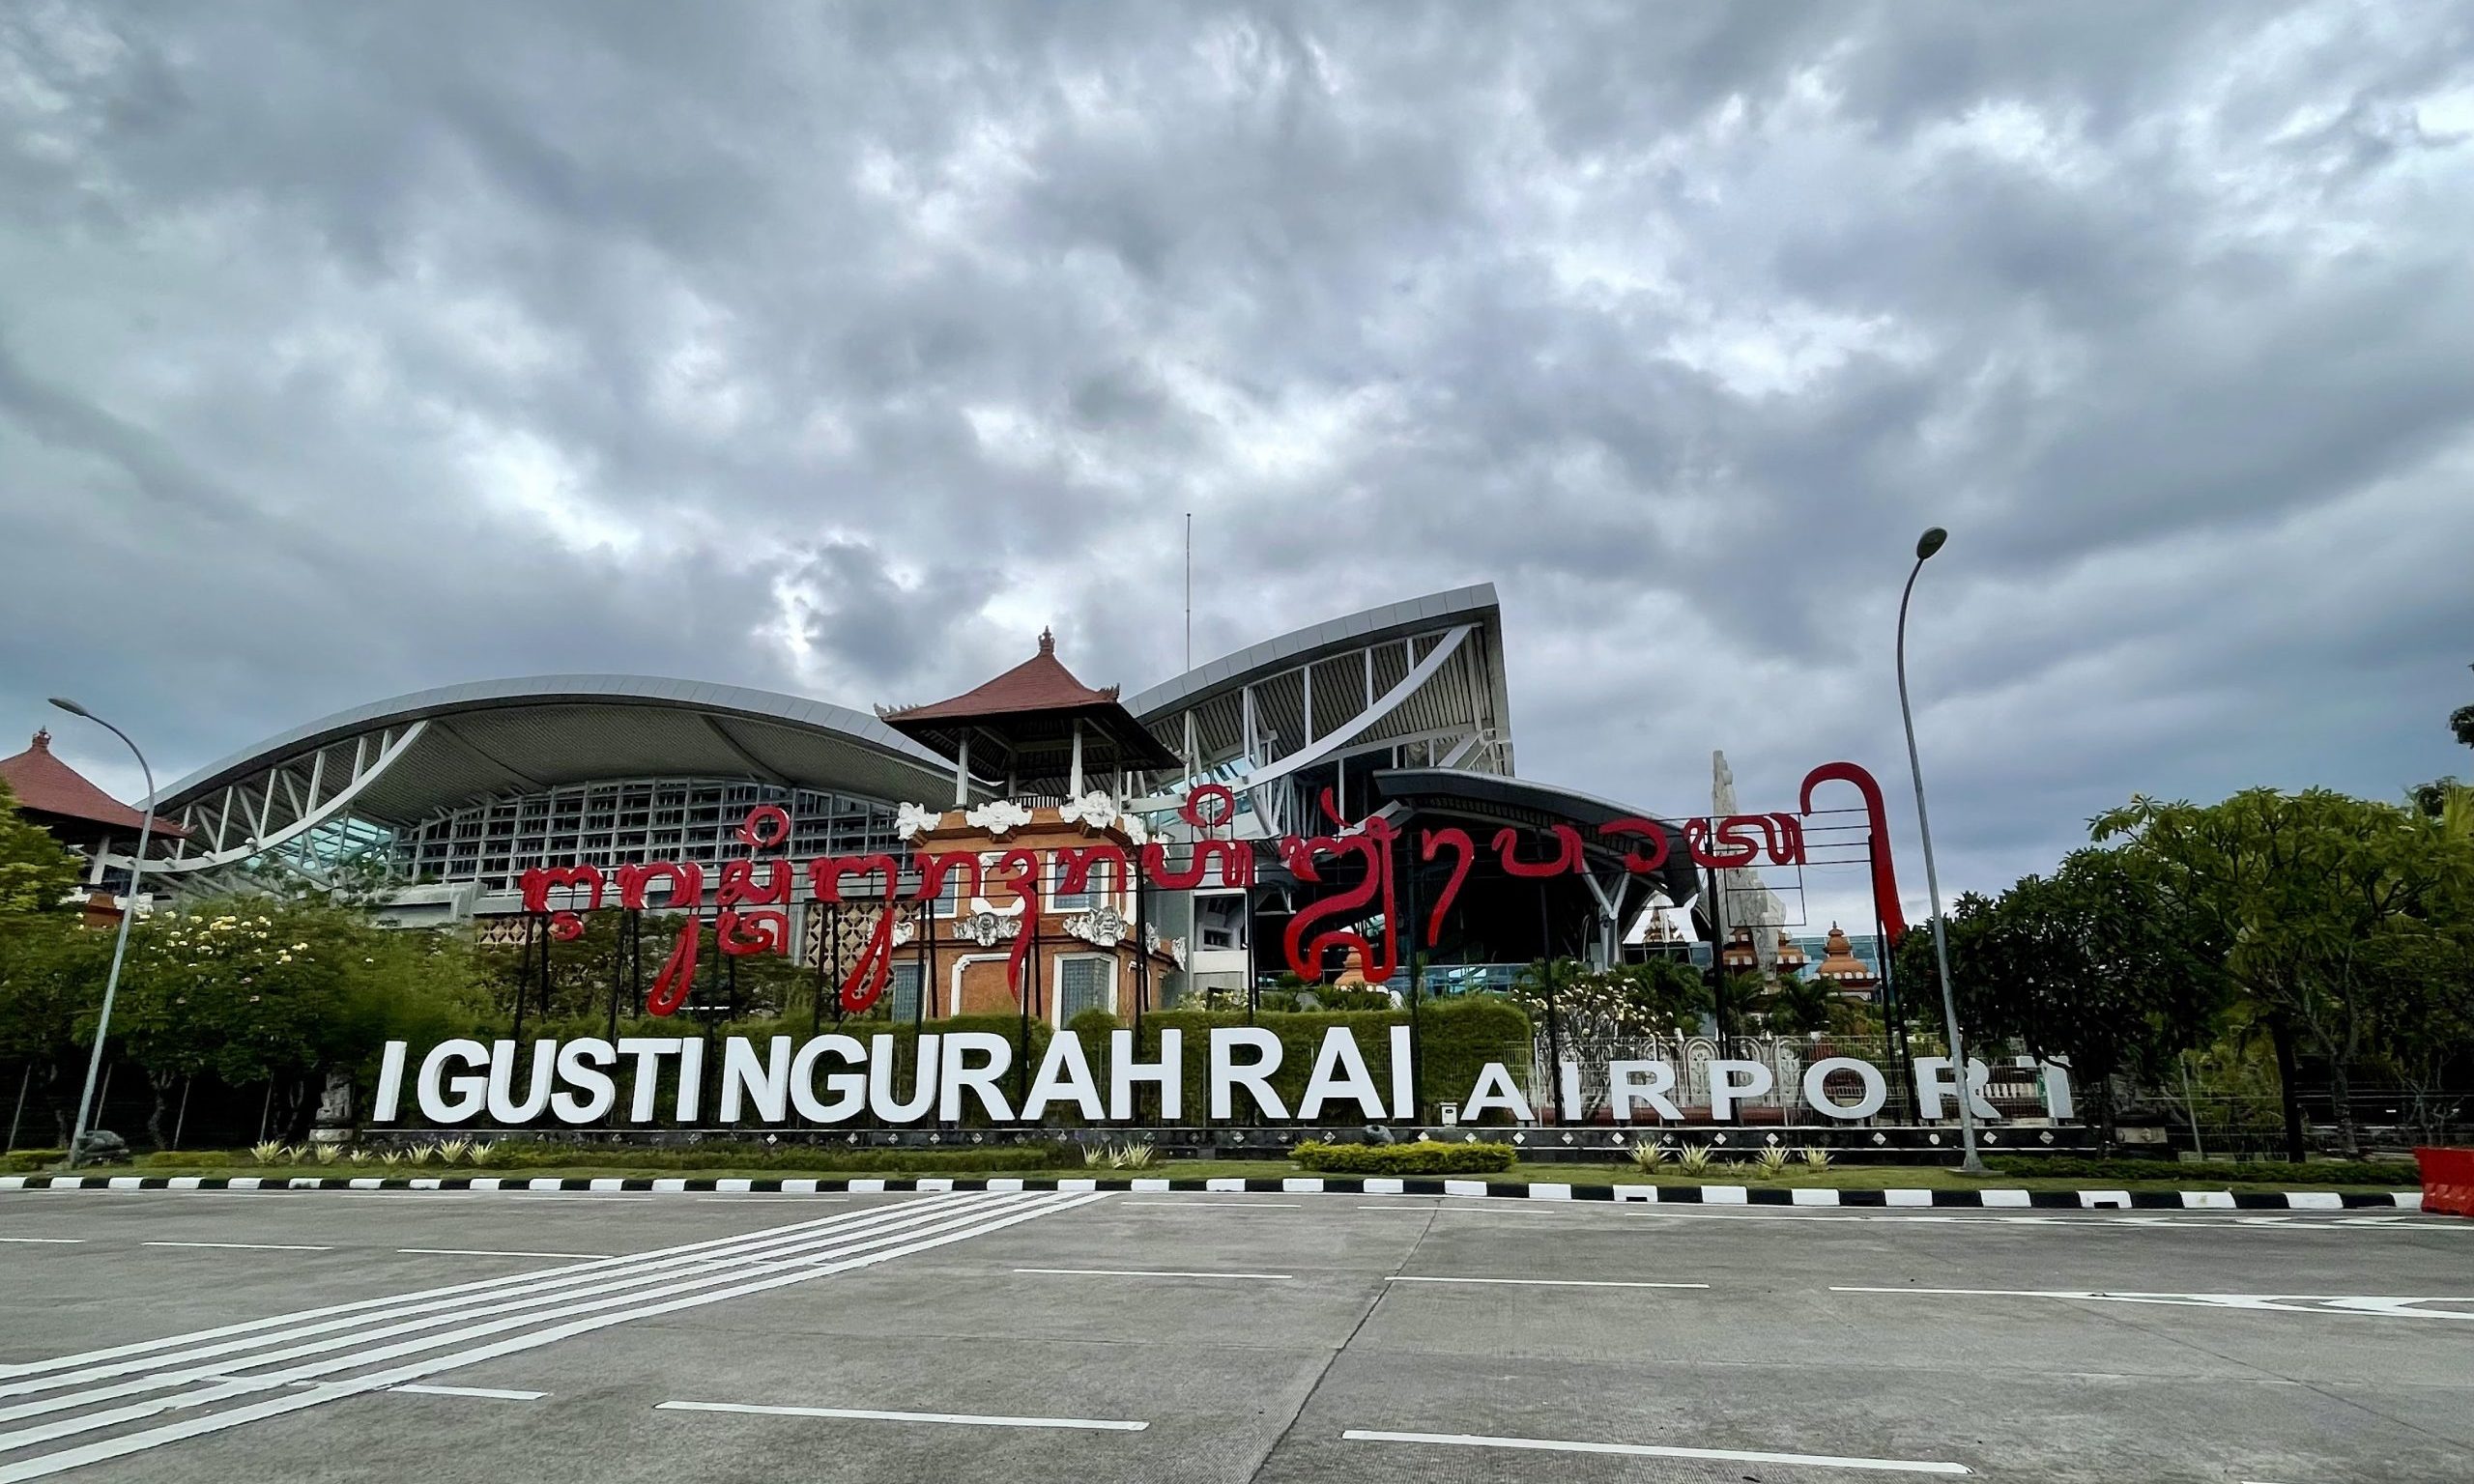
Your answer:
<point x="840" y="349"/>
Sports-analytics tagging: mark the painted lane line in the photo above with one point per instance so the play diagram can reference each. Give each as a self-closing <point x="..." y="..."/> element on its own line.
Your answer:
<point x="221" y="1386"/>
<point x="963" y="1418"/>
<point x="1656" y="1450"/>
<point x="974" y="1224"/>
<point x="544" y="1288"/>
<point x="64" y="1242"/>
<point x="497" y="1252"/>
<point x="486" y="1394"/>
<point x="2337" y="1305"/>
<point x="1147" y="1272"/>
<point x="365" y="1310"/>
<point x="1550" y="1282"/>
<point x="243" y="1246"/>
<point x="1230" y="1206"/>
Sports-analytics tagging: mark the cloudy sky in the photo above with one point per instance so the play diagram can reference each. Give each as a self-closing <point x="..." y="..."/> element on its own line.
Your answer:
<point x="348" y="350"/>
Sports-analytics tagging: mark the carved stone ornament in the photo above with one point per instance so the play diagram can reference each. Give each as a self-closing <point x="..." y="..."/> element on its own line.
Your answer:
<point x="1135" y="828"/>
<point x="1105" y="926"/>
<point x="997" y="816"/>
<point x="912" y="820"/>
<point x="1177" y="951"/>
<point x="1093" y="810"/>
<point x="904" y="929"/>
<point x="990" y="928"/>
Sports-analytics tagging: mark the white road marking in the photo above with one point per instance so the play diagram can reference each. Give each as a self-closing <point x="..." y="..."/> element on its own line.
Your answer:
<point x="1550" y="1282"/>
<point x="2339" y="1304"/>
<point x="967" y="1419"/>
<point x="486" y="1394"/>
<point x="1147" y="1272"/>
<point x="1658" y="1450"/>
<point x="246" y="1246"/>
<point x="47" y="1241"/>
<point x="497" y="1252"/>
<point x="1236" y="1205"/>
<point x="766" y="1260"/>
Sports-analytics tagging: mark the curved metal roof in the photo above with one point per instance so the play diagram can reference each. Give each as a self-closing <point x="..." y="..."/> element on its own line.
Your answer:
<point x="1425" y="668"/>
<point x="538" y="731"/>
<point x="1474" y="603"/>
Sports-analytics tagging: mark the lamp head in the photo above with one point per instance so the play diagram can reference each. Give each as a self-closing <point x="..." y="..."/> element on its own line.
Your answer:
<point x="1930" y="542"/>
<point x="72" y="708"/>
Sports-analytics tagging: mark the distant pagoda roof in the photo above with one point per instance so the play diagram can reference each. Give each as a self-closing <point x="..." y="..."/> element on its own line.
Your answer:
<point x="46" y="786"/>
<point x="1024" y="721"/>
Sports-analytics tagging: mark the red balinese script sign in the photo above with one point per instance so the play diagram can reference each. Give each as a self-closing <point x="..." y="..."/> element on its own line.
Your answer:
<point x="751" y="895"/>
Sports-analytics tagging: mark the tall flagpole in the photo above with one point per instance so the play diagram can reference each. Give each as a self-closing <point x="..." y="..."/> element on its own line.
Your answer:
<point x="1189" y="589"/>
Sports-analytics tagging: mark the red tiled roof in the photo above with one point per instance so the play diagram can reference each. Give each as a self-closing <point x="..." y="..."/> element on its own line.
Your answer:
<point x="45" y="785"/>
<point x="1040" y="683"/>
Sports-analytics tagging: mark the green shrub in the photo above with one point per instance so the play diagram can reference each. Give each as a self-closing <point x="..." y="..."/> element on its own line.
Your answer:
<point x="2394" y="1173"/>
<point x="1426" y="1156"/>
<point x="190" y="1158"/>
<point x="25" y="1161"/>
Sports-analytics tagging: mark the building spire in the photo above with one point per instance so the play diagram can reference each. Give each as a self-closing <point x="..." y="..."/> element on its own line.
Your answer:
<point x="1048" y="642"/>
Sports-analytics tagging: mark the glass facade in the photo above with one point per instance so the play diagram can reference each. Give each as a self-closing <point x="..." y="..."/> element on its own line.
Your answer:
<point x="617" y="823"/>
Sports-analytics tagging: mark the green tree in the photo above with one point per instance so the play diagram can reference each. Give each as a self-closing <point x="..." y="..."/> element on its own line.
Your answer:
<point x="37" y="873"/>
<point x="2099" y="965"/>
<point x="2424" y="1035"/>
<point x="1740" y="1003"/>
<point x="2311" y="899"/>
<point x="51" y="970"/>
<point x="281" y="991"/>
<point x="1800" y="1006"/>
<point x="51" y="980"/>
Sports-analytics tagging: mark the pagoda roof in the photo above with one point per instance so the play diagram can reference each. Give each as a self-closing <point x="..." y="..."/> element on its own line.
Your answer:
<point x="1025" y="719"/>
<point x="1040" y="683"/>
<point x="46" y="786"/>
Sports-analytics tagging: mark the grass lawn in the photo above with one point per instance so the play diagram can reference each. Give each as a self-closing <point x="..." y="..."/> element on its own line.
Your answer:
<point x="1851" y="1177"/>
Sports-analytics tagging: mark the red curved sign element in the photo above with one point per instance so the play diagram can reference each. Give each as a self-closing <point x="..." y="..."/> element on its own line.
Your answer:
<point x="1885" y="878"/>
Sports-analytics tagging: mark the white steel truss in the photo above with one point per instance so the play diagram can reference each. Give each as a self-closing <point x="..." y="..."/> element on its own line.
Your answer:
<point x="282" y="805"/>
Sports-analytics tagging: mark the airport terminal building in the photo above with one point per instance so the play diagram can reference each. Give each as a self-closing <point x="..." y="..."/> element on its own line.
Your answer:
<point x="1402" y="710"/>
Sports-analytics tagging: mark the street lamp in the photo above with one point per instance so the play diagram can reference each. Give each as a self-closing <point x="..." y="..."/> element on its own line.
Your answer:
<point x="120" y="945"/>
<point x="1925" y="546"/>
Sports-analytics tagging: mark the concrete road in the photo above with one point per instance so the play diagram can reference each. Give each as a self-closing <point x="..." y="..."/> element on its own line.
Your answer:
<point x="445" y="1337"/>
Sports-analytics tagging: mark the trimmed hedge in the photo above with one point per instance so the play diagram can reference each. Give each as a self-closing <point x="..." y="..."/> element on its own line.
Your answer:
<point x="511" y="1154"/>
<point x="1426" y="1156"/>
<point x="2331" y="1171"/>
<point x="26" y="1161"/>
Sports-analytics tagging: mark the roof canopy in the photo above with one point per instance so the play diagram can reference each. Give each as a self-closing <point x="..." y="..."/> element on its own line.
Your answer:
<point x="46" y="786"/>
<point x="1522" y="804"/>
<point x="1026" y="721"/>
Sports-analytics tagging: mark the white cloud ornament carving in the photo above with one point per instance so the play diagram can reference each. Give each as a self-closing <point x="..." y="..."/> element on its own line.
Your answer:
<point x="997" y="816"/>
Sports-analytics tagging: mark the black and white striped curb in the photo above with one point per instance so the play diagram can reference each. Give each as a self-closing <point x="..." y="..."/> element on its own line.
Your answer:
<point x="1536" y="1190"/>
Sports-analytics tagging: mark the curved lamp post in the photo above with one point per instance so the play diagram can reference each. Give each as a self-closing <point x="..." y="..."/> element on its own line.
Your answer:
<point x="1925" y="546"/>
<point x="120" y="946"/>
